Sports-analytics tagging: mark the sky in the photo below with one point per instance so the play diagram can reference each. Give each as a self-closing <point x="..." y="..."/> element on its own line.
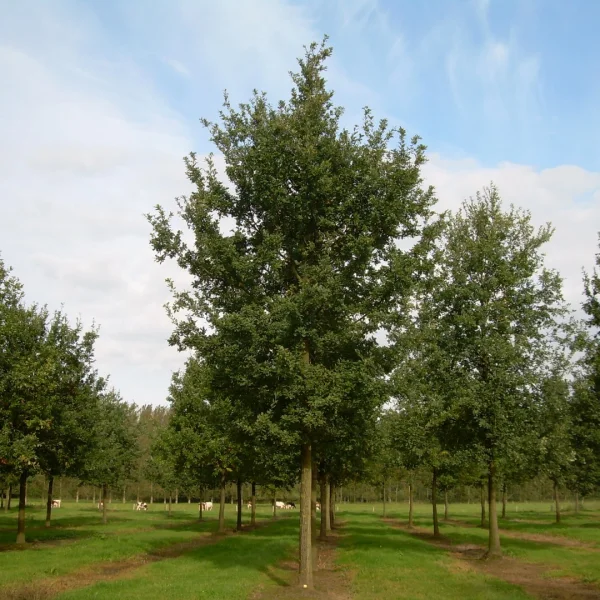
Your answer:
<point x="101" y="99"/>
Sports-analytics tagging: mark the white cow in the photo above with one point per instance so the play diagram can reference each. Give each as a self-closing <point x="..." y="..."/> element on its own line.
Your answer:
<point x="318" y="506"/>
<point x="56" y="503"/>
<point x="249" y="505"/>
<point x="140" y="506"/>
<point x="279" y="504"/>
<point x="206" y="505"/>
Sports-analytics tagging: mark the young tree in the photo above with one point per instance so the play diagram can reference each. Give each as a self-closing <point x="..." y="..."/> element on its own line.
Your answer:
<point x="495" y="305"/>
<point x="313" y="265"/>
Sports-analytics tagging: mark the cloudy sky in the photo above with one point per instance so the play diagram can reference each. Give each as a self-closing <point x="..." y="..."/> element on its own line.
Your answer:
<point x="101" y="100"/>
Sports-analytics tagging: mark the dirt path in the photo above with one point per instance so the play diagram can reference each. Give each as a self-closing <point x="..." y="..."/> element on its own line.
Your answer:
<point x="331" y="582"/>
<point x="533" y="578"/>
<point x="50" y="587"/>
<point x="558" y="540"/>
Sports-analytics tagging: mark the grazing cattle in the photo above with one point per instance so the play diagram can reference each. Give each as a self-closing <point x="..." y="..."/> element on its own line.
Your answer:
<point x="290" y="505"/>
<point x="140" y="506"/>
<point x="100" y="505"/>
<point x="249" y="505"/>
<point x="318" y="506"/>
<point x="56" y="503"/>
<point x="279" y="504"/>
<point x="206" y="505"/>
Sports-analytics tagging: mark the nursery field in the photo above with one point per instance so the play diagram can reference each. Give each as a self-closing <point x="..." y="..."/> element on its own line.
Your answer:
<point x="149" y="555"/>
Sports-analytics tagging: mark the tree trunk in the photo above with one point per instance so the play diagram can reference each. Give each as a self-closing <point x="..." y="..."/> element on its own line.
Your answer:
<point x="49" y="500"/>
<point x="384" y="500"/>
<point x="494" y="549"/>
<point x="137" y="495"/>
<point x="253" y="508"/>
<point x="306" y="565"/>
<point x="176" y="495"/>
<point x="504" y="501"/>
<point x="25" y="493"/>
<point x="104" y="508"/>
<point x="151" y="493"/>
<point x="410" y="505"/>
<point x="200" y="505"/>
<point x="94" y="495"/>
<point x="222" y="505"/>
<point x="239" y="505"/>
<point x="331" y="523"/>
<point x="313" y="519"/>
<point x="576" y="502"/>
<point x="2" y="492"/>
<point x="76" y="495"/>
<point x="324" y="507"/>
<point x="110" y="496"/>
<point x="436" y="525"/>
<point x="274" y="505"/>
<point x="170" y="498"/>
<point x="556" y="502"/>
<point x="8" y="500"/>
<point x="482" y="495"/>
<point x="124" y="494"/>
<point x="22" y="504"/>
<point x="445" y="505"/>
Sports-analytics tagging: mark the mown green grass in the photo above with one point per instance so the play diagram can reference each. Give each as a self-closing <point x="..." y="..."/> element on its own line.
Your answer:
<point x="232" y="569"/>
<point x="129" y="533"/>
<point x="389" y="563"/>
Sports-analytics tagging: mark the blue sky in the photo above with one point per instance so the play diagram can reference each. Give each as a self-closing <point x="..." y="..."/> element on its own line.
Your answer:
<point x="101" y="100"/>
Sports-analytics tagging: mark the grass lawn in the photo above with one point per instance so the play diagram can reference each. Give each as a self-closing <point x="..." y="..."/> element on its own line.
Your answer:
<point x="149" y="555"/>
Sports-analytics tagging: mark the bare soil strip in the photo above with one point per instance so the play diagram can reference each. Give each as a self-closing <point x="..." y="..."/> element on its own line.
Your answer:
<point x="533" y="578"/>
<point x="557" y="540"/>
<point x="331" y="582"/>
<point x="50" y="587"/>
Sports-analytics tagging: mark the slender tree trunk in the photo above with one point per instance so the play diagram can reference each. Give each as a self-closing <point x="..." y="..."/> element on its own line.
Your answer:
<point x="49" y="500"/>
<point x="94" y="495"/>
<point x="306" y="565"/>
<point x="137" y="495"/>
<point x="170" y="501"/>
<point x="494" y="549"/>
<point x="576" y="502"/>
<point x="110" y="496"/>
<point x="324" y="507"/>
<point x="410" y="505"/>
<point x="60" y="482"/>
<point x="104" y="507"/>
<point x="331" y="523"/>
<point x="2" y="492"/>
<point x="384" y="500"/>
<point x="176" y="495"/>
<point x="151" y="493"/>
<point x="124" y="494"/>
<point x="445" y="505"/>
<point x="556" y="502"/>
<point x="482" y="497"/>
<point x="200" y="505"/>
<point x="22" y="504"/>
<point x="222" y="505"/>
<point x="275" y="505"/>
<point x="77" y="495"/>
<point x="436" y="525"/>
<point x="239" y="505"/>
<point x="313" y="521"/>
<point x="9" y="499"/>
<point x="504" y="501"/>
<point x="253" y="508"/>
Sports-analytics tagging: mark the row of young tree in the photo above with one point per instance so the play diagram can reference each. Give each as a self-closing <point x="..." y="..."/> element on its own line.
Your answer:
<point x="341" y="328"/>
<point x="57" y="415"/>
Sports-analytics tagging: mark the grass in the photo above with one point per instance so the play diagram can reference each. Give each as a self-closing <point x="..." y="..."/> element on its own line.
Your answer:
<point x="376" y="559"/>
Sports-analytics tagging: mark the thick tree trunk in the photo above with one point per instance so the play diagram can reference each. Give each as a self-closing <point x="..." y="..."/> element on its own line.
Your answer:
<point x="504" y="501"/>
<point x="25" y="493"/>
<point x="576" y="502"/>
<point x="384" y="500"/>
<point x="410" y="505"/>
<point x="313" y="519"/>
<point x="104" y="507"/>
<point x="306" y="565"/>
<point x="324" y="508"/>
<point x="331" y="523"/>
<point x="445" y="505"/>
<point x="49" y="501"/>
<point x="436" y="525"/>
<point x="494" y="549"/>
<point x="222" y="505"/>
<point x="239" y="505"/>
<point x="22" y="504"/>
<point x="482" y="498"/>
<point x="253" y="508"/>
<point x="556" y="502"/>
